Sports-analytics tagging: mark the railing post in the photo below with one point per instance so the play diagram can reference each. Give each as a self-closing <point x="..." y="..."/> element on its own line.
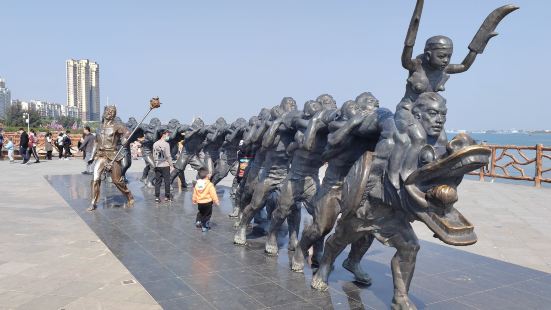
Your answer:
<point x="481" y="174"/>
<point x="493" y="163"/>
<point x="537" y="177"/>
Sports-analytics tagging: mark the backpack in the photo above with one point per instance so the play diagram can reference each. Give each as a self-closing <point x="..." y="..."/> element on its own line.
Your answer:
<point x="66" y="141"/>
<point x="158" y="154"/>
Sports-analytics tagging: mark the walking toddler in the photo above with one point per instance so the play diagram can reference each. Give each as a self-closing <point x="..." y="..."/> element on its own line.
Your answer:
<point x="204" y="196"/>
<point x="9" y="147"/>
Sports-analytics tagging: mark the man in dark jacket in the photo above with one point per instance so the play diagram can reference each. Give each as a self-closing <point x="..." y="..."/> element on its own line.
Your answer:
<point x="87" y="146"/>
<point x="23" y="145"/>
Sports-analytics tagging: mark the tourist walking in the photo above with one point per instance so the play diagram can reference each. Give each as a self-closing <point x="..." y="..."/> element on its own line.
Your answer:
<point x="67" y="145"/>
<point x="33" y="142"/>
<point x="23" y="145"/>
<point x="87" y="147"/>
<point x="204" y="196"/>
<point x="48" y="146"/>
<point x="163" y="165"/>
<point x="1" y="143"/>
<point x="9" y="147"/>
<point x="59" y="144"/>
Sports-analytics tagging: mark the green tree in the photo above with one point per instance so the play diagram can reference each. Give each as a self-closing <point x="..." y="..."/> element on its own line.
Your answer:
<point x="68" y="122"/>
<point x="14" y="116"/>
<point x="35" y="120"/>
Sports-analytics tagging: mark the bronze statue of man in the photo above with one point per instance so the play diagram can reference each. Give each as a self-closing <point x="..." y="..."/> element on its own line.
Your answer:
<point x="429" y="175"/>
<point x="346" y="143"/>
<point x="252" y="145"/>
<point x="276" y="139"/>
<point x="302" y="182"/>
<point x="126" y="162"/>
<point x="194" y="138"/>
<point x="109" y="136"/>
<point x="213" y="143"/>
<point x="151" y="134"/>
<point x="228" y="161"/>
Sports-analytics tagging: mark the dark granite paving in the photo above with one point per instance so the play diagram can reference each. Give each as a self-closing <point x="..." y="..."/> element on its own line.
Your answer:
<point x="183" y="268"/>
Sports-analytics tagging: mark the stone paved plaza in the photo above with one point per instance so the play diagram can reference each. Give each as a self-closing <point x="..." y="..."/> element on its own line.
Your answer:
<point x="55" y="255"/>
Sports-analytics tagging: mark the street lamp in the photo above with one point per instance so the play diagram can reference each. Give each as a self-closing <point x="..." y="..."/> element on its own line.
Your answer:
<point x="26" y="117"/>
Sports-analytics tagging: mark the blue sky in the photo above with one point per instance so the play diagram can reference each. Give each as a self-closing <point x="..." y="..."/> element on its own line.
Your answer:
<point x="230" y="58"/>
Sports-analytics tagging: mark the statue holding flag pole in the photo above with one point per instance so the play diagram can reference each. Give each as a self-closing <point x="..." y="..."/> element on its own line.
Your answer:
<point x="107" y="158"/>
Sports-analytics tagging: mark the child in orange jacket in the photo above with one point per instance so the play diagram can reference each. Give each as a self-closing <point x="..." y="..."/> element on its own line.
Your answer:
<point x="204" y="196"/>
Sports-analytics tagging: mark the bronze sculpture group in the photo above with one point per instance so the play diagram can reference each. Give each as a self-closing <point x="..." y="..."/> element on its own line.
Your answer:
<point x="384" y="170"/>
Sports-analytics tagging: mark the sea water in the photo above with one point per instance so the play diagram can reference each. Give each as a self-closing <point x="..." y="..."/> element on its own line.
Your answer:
<point x="518" y="139"/>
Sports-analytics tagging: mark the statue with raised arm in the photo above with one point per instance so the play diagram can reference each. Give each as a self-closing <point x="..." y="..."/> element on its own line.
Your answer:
<point x="107" y="158"/>
<point x="430" y="71"/>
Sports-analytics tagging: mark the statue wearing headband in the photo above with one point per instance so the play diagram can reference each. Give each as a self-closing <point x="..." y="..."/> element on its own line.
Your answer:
<point x="430" y="71"/>
<point x="110" y="135"/>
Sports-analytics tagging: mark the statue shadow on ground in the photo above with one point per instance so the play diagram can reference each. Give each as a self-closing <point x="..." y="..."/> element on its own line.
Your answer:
<point x="174" y="261"/>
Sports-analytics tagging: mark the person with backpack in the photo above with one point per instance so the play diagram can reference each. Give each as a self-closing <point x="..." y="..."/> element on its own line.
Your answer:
<point x="67" y="145"/>
<point x="59" y="144"/>
<point x="33" y="142"/>
<point x="23" y="145"/>
<point x="163" y="165"/>
<point x="204" y="196"/>
<point x="1" y="143"/>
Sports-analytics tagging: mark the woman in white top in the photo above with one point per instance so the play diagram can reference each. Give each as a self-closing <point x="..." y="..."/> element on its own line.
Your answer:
<point x="59" y="144"/>
<point x="48" y="146"/>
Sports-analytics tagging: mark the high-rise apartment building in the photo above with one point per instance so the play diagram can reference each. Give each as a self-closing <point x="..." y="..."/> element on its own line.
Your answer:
<point x="83" y="88"/>
<point x="5" y="98"/>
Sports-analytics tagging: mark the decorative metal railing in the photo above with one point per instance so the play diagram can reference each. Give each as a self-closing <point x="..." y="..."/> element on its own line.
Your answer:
<point x="522" y="163"/>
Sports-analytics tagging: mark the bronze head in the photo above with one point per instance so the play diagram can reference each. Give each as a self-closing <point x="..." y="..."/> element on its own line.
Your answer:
<point x="438" y="52"/>
<point x="327" y="101"/>
<point x="109" y="113"/>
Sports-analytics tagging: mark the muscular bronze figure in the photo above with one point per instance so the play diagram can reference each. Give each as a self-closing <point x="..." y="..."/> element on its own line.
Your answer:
<point x="277" y="138"/>
<point x="150" y="133"/>
<point x="302" y="182"/>
<point x="194" y="136"/>
<point x="126" y="162"/>
<point x="430" y="71"/>
<point x="213" y="143"/>
<point x="429" y="175"/>
<point x="175" y="137"/>
<point x="346" y="143"/>
<point x="252" y="145"/>
<point x="228" y="155"/>
<point x="108" y="137"/>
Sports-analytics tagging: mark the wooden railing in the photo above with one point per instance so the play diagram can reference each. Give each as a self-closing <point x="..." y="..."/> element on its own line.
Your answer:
<point x="511" y="162"/>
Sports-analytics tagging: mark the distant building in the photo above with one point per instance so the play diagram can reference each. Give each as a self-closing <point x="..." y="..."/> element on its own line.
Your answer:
<point x="83" y="88"/>
<point x="47" y="109"/>
<point x="5" y="98"/>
